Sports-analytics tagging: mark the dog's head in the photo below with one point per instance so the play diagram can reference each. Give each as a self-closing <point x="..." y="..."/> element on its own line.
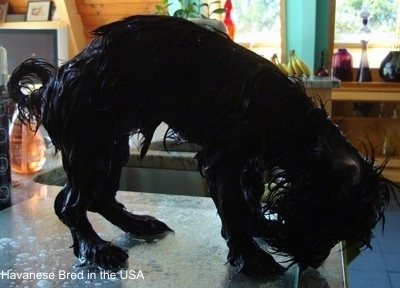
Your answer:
<point x="324" y="192"/>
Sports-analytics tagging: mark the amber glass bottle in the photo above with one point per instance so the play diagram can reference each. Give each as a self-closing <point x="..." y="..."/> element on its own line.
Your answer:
<point x="27" y="146"/>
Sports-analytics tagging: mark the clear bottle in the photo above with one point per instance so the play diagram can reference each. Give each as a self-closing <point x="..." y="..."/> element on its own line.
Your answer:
<point x="27" y="146"/>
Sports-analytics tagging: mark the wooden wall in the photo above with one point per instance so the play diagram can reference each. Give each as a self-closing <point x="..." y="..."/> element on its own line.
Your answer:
<point x="98" y="12"/>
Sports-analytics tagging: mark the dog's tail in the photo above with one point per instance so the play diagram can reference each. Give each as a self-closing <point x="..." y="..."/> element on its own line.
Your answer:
<point x="26" y="85"/>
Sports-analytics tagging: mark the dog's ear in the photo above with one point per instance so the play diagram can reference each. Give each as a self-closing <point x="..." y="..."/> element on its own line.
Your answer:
<point x="347" y="170"/>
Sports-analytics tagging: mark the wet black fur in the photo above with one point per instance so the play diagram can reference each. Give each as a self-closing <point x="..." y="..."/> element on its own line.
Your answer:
<point x="248" y="120"/>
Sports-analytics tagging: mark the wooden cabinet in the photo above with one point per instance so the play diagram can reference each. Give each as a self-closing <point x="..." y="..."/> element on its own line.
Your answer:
<point x="369" y="113"/>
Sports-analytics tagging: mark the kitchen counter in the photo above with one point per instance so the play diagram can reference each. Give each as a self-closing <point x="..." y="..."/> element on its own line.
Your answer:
<point x="315" y="82"/>
<point x="34" y="241"/>
<point x="322" y="88"/>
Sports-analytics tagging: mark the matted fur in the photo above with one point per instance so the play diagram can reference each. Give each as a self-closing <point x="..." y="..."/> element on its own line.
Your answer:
<point x="248" y="120"/>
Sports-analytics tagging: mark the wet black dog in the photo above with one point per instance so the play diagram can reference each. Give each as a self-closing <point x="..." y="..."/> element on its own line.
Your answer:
<point x="248" y="120"/>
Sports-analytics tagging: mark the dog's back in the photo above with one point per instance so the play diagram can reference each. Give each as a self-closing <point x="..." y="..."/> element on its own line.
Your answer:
<point x="145" y="70"/>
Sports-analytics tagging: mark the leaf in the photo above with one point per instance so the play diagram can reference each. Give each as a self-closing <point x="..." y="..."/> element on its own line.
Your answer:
<point x="218" y="11"/>
<point x="180" y="13"/>
<point x="215" y="2"/>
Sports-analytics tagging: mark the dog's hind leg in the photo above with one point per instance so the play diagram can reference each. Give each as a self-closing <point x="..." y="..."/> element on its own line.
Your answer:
<point x="106" y="204"/>
<point x="236" y="211"/>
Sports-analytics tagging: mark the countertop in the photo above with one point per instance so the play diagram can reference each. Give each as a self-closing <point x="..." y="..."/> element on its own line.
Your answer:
<point x="34" y="241"/>
<point x="315" y="82"/>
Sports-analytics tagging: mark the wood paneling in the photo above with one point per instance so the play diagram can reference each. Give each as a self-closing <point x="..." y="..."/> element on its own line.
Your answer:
<point x="19" y="6"/>
<point x="95" y="13"/>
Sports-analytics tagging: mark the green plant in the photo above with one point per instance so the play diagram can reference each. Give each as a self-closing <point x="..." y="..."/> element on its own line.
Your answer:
<point x="190" y="9"/>
<point x="163" y="9"/>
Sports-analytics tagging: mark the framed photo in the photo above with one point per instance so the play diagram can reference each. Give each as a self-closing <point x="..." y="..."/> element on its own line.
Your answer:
<point x="38" y="11"/>
<point x="3" y="10"/>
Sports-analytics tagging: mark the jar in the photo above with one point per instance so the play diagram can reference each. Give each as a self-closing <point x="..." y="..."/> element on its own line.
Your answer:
<point x="389" y="70"/>
<point x="342" y="65"/>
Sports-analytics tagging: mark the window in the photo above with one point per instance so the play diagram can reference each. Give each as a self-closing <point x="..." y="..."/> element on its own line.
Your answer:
<point x="383" y="22"/>
<point x="257" y="22"/>
<point x="258" y="25"/>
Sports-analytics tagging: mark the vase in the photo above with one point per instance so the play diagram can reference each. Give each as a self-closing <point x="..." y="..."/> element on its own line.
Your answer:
<point x="364" y="73"/>
<point x="389" y="70"/>
<point x="228" y="20"/>
<point x="342" y="65"/>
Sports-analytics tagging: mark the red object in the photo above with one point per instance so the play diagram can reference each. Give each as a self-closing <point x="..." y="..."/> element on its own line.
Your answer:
<point x="228" y="20"/>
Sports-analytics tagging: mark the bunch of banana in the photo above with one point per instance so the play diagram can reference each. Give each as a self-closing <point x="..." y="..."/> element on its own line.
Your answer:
<point x="281" y="66"/>
<point x="296" y="66"/>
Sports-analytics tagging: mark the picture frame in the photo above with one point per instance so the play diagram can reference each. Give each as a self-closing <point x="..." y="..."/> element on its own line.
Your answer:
<point x="38" y="11"/>
<point x="3" y="10"/>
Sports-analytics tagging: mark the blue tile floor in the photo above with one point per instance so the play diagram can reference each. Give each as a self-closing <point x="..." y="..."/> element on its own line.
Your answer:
<point x="381" y="266"/>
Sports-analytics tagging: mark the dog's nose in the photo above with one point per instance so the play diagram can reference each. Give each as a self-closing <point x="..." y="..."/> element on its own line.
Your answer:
<point x="348" y="170"/>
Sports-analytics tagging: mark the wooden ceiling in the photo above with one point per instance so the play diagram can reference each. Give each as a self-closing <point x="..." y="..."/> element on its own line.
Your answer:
<point x="95" y="13"/>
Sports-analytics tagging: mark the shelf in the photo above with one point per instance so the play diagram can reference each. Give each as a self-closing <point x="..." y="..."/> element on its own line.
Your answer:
<point x="391" y="170"/>
<point x="69" y="16"/>
<point x="340" y="118"/>
<point x="367" y="92"/>
<point x="392" y="174"/>
<point x="394" y="162"/>
<point x="34" y="25"/>
<point x="370" y="86"/>
<point x="375" y="129"/>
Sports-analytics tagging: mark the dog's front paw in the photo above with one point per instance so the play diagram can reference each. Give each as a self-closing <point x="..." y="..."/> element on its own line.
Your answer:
<point x="102" y="254"/>
<point x="151" y="225"/>
<point x="258" y="263"/>
<point x="140" y="224"/>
